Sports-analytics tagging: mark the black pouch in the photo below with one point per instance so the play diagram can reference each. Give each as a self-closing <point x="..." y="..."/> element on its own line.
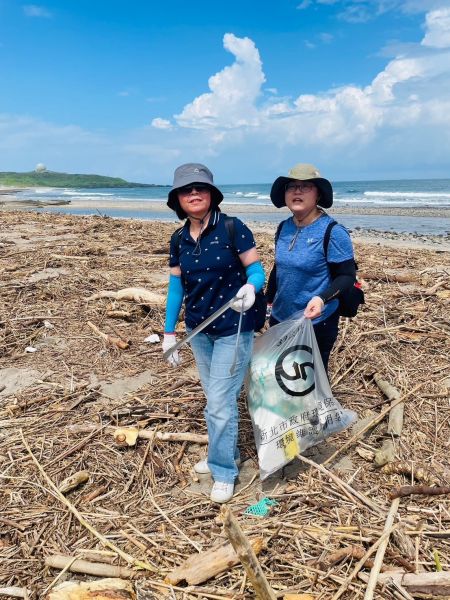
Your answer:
<point x="350" y="300"/>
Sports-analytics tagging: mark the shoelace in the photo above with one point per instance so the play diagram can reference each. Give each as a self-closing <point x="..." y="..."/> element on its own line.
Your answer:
<point x="221" y="485"/>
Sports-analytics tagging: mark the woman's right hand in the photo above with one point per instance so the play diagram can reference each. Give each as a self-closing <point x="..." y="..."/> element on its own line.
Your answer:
<point x="169" y="341"/>
<point x="314" y="307"/>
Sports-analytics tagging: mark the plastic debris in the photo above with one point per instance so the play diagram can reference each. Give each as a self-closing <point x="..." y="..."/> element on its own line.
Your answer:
<point x="261" y="508"/>
<point x="152" y="339"/>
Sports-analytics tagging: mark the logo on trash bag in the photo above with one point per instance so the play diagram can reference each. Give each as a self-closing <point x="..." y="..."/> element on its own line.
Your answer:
<point x="299" y="379"/>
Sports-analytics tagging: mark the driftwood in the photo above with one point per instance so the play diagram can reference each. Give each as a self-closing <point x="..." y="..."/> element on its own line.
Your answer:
<point x="201" y="567"/>
<point x="434" y="584"/>
<point x="378" y="562"/>
<point x="60" y="561"/>
<point x="14" y="591"/>
<point x="105" y="589"/>
<point x="127" y="436"/>
<point x="360" y="564"/>
<point x="111" y="339"/>
<point x="129" y="559"/>
<point x="395" y="425"/>
<point x="73" y="481"/>
<point x="423" y="490"/>
<point x="402" y="467"/>
<point x="246" y="555"/>
<point x="347" y="552"/>
<point x="134" y="294"/>
<point x="371" y="424"/>
<point x="344" y="486"/>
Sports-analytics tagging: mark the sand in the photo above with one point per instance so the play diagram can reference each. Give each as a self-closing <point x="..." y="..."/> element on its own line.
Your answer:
<point x="61" y="398"/>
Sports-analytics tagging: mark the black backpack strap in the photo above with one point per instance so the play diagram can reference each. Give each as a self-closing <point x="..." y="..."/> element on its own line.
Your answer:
<point x="326" y="237"/>
<point x="230" y="229"/>
<point x="278" y="231"/>
<point x="175" y="238"/>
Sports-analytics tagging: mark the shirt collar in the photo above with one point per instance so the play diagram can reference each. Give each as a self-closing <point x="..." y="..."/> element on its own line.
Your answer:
<point x="213" y="220"/>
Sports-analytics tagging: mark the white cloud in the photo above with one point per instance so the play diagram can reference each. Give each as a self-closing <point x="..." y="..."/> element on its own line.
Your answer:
<point x="33" y="10"/>
<point x="161" y="123"/>
<point x="246" y="131"/>
<point x="409" y="97"/>
<point x="234" y="90"/>
<point x="438" y="29"/>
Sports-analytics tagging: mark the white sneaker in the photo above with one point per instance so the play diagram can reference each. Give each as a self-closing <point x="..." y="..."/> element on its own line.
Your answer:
<point x="202" y="466"/>
<point x="222" y="492"/>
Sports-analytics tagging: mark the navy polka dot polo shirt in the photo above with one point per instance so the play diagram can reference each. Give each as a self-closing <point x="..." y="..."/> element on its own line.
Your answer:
<point x="211" y="273"/>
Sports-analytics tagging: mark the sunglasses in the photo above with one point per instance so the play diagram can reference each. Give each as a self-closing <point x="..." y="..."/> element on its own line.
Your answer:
<point x="299" y="187"/>
<point x="202" y="188"/>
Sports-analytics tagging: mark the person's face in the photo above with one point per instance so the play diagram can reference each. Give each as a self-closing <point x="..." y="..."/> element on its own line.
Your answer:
<point x="301" y="197"/>
<point x="195" y="199"/>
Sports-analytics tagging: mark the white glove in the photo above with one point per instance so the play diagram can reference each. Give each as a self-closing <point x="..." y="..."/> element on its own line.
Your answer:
<point x="169" y="341"/>
<point x="246" y="295"/>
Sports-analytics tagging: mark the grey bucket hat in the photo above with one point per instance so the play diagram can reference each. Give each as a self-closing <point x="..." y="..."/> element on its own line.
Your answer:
<point x="187" y="174"/>
<point x="302" y="172"/>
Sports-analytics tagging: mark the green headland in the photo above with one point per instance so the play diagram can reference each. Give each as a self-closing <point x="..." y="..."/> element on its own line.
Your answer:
<point x="67" y="180"/>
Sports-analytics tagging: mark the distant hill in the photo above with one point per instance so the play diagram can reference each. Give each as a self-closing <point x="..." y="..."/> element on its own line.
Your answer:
<point x="66" y="180"/>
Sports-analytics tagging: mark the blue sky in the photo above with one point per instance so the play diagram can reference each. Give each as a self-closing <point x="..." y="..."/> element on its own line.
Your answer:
<point x="361" y="88"/>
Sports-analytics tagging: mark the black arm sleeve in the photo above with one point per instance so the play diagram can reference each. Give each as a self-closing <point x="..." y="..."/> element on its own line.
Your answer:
<point x="271" y="285"/>
<point x="343" y="276"/>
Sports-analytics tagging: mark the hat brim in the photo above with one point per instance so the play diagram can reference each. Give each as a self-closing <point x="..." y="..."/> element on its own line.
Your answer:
<point x="174" y="203"/>
<point x="277" y="193"/>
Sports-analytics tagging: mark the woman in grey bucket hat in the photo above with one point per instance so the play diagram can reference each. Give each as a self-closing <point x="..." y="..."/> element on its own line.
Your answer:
<point x="314" y="261"/>
<point x="188" y="174"/>
<point x="213" y="260"/>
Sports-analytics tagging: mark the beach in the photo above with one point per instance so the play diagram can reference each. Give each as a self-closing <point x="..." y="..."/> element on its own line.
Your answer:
<point x="75" y="365"/>
<point x="416" y="226"/>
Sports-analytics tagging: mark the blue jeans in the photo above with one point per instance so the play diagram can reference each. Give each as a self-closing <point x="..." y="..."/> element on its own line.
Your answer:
<point x="214" y="356"/>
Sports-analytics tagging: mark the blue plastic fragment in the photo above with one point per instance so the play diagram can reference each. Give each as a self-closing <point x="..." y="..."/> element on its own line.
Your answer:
<point x="261" y="508"/>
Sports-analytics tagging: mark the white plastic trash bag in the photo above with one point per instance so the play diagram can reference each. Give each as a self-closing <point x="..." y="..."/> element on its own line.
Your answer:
<point x="289" y="397"/>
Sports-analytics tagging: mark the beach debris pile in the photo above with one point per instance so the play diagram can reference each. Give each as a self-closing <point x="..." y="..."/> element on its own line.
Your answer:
<point x="98" y="438"/>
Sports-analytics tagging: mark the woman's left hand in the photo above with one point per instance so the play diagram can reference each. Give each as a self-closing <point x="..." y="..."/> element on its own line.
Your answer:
<point x="314" y="307"/>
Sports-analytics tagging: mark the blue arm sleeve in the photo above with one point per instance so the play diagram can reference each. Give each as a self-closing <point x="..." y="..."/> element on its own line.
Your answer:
<point x="174" y="301"/>
<point x="255" y="275"/>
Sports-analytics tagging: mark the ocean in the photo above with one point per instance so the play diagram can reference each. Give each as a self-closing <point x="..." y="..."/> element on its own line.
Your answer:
<point x="405" y="194"/>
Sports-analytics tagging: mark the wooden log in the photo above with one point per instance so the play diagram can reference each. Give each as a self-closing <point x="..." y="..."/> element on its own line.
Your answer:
<point x="423" y="490"/>
<point x="127" y="436"/>
<point x="60" y="561"/>
<point x="14" y="591"/>
<point x="135" y="294"/>
<point x="385" y="454"/>
<point x="353" y="551"/>
<point x="395" y="424"/>
<point x="434" y="584"/>
<point x="204" y="565"/>
<point x="104" y="589"/>
<point x="111" y="339"/>
<point x="378" y="561"/>
<point x="403" y="467"/>
<point x="246" y="555"/>
<point x="73" y="481"/>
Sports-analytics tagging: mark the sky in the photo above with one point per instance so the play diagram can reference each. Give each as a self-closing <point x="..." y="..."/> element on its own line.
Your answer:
<point x="359" y="88"/>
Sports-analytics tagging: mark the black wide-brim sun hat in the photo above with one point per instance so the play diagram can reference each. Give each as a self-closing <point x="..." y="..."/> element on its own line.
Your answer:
<point x="186" y="175"/>
<point x="302" y="172"/>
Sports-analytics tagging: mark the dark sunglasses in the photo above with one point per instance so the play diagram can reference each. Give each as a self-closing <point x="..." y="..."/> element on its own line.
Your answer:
<point x="198" y="187"/>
